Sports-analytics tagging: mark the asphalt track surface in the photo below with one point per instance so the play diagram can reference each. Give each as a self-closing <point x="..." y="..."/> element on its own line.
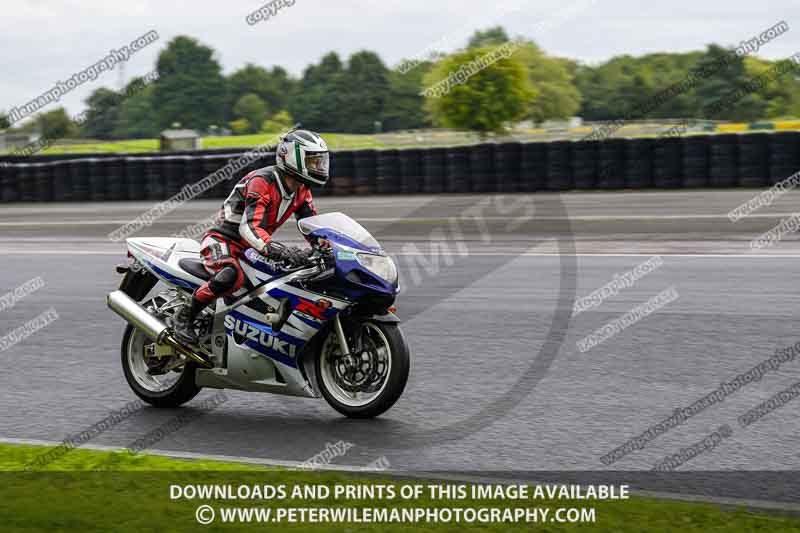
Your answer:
<point x="497" y="383"/>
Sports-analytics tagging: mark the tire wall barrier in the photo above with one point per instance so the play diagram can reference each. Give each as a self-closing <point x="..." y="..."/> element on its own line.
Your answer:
<point x="508" y="167"/>
<point x="784" y="157"/>
<point x="638" y="171"/>
<point x="668" y="163"/>
<point x="695" y="161"/>
<point x="533" y="167"/>
<point x="585" y="164"/>
<point x="558" y="176"/>
<point x="434" y="166"/>
<point x="723" y="159"/>
<point x="720" y="161"/>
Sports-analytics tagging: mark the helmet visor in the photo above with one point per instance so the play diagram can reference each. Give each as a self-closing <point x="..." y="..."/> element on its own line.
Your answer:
<point x="318" y="163"/>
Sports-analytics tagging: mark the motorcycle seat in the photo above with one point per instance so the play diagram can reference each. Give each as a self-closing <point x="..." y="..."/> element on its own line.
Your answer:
<point x="195" y="268"/>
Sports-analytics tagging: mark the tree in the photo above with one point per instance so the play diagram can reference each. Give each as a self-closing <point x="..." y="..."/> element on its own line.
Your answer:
<point x="629" y="86"/>
<point x="366" y="92"/>
<point x="101" y="114"/>
<point x="252" y="108"/>
<point x="728" y="74"/>
<point x="487" y="100"/>
<point x="4" y="122"/>
<point x="319" y="103"/>
<point x="190" y="88"/>
<point x="55" y="124"/>
<point x="274" y="87"/>
<point x="491" y="37"/>
<point x="278" y="123"/>
<point x="781" y="94"/>
<point x="557" y="97"/>
<point x="405" y="107"/>
<point x="136" y="118"/>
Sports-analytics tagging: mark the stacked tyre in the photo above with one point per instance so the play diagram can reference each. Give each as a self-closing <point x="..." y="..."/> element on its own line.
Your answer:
<point x="533" y="164"/>
<point x="27" y="187"/>
<point x="753" y="160"/>
<point x="434" y="170"/>
<point x="192" y="171"/>
<point x="366" y="168"/>
<point x="507" y="167"/>
<point x="559" y="168"/>
<point x="98" y="180"/>
<point x="723" y="159"/>
<point x="211" y="164"/>
<point x="410" y="171"/>
<point x="79" y="177"/>
<point x="584" y="164"/>
<point x="458" y="169"/>
<point x="695" y="161"/>
<point x="388" y="172"/>
<point x="154" y="180"/>
<point x="482" y="166"/>
<point x="611" y="158"/>
<point x="172" y="168"/>
<point x="342" y="171"/>
<point x="784" y="158"/>
<point x="8" y="183"/>
<point x="668" y="163"/>
<point x="116" y="189"/>
<point x="639" y="164"/>
<point x="62" y="187"/>
<point x="43" y="182"/>
<point x="135" y="182"/>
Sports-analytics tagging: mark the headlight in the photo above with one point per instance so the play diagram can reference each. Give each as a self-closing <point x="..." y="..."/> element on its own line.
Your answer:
<point x="380" y="265"/>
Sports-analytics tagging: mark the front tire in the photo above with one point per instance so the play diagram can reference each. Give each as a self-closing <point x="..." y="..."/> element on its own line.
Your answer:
<point x="364" y="396"/>
<point x="150" y="388"/>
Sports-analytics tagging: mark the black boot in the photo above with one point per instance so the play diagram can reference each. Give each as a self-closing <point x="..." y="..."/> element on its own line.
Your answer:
<point x="183" y="322"/>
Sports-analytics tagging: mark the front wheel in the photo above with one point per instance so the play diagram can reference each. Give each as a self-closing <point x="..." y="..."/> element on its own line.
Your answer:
<point x="364" y="384"/>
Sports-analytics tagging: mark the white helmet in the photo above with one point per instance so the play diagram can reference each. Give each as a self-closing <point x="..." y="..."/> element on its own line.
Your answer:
<point x="304" y="155"/>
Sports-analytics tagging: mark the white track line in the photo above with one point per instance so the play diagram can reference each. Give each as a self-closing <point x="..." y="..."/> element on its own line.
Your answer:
<point x="421" y="475"/>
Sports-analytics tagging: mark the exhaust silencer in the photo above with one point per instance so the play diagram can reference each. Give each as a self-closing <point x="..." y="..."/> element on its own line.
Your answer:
<point x="138" y="317"/>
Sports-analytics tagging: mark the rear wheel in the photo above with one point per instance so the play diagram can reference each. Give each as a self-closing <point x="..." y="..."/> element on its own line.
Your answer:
<point x="365" y="384"/>
<point x="161" y="382"/>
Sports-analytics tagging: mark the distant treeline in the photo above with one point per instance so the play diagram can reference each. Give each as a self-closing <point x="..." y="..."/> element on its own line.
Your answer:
<point x="362" y="94"/>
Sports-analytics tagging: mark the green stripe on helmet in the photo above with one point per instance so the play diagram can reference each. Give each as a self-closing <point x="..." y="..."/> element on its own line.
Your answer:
<point x="298" y="158"/>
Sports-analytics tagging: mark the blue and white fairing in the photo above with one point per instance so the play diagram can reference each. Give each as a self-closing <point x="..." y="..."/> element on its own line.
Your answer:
<point x="362" y="267"/>
<point x="362" y="270"/>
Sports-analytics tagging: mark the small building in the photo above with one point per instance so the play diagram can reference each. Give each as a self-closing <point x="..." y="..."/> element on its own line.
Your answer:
<point x="172" y="140"/>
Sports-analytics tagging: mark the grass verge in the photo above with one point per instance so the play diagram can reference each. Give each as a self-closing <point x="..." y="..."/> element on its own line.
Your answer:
<point x="87" y="490"/>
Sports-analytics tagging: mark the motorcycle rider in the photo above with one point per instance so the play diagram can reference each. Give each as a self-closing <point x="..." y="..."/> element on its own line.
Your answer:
<point x="258" y="205"/>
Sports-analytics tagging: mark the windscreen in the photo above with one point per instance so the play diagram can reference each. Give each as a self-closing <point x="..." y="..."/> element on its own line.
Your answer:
<point x="340" y="223"/>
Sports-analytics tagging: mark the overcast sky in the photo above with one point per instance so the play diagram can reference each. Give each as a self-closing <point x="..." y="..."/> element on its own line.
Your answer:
<point x="43" y="41"/>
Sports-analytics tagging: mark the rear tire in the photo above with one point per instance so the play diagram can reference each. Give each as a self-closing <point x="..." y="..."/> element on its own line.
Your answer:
<point x="395" y="380"/>
<point x="183" y="390"/>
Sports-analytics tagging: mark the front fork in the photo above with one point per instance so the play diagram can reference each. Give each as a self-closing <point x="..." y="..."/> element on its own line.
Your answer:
<point x="342" y="338"/>
<point x="337" y="327"/>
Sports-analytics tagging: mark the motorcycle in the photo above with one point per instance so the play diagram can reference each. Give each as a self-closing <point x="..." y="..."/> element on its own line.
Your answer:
<point x="324" y="328"/>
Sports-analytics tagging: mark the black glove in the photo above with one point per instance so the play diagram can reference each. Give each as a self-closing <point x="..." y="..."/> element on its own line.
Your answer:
<point x="287" y="254"/>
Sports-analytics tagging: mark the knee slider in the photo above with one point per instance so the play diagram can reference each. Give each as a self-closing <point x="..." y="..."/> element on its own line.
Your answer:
<point x="224" y="280"/>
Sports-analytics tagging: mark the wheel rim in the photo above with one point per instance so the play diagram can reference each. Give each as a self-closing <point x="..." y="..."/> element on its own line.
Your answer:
<point x="362" y="379"/>
<point x="137" y="363"/>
